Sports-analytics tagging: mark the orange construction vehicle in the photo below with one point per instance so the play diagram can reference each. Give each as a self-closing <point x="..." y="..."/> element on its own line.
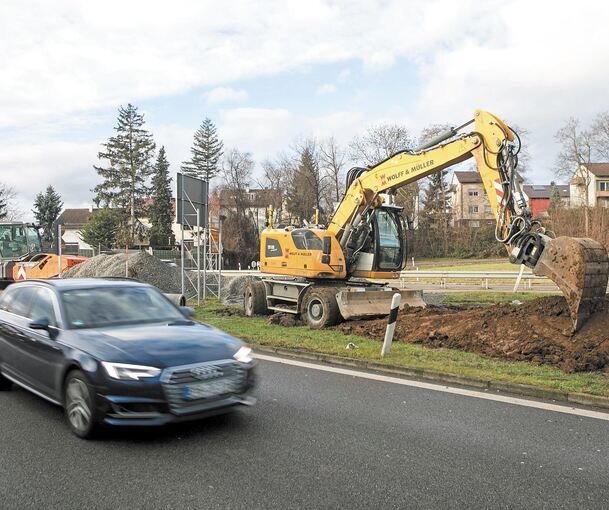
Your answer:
<point x="21" y="255"/>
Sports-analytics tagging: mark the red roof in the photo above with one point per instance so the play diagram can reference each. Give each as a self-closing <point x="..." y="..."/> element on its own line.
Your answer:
<point x="468" y="177"/>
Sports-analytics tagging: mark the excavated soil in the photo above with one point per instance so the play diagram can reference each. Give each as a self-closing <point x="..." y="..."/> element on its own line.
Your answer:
<point x="535" y="331"/>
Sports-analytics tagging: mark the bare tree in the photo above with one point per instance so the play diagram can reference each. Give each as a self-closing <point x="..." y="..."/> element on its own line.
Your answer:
<point x="9" y="210"/>
<point x="600" y="135"/>
<point x="379" y="143"/>
<point x="241" y="234"/>
<point x="277" y="174"/>
<point x="333" y="159"/>
<point x="578" y="148"/>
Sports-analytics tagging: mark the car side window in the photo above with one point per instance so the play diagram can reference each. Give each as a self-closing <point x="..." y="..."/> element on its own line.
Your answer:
<point x="42" y="306"/>
<point x="18" y="301"/>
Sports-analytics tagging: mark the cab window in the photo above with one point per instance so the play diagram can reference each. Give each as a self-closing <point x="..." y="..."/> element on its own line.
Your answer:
<point x="306" y="240"/>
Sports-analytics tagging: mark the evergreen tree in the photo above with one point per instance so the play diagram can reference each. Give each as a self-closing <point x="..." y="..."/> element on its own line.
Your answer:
<point x="160" y="211"/>
<point x="129" y="155"/>
<point x="304" y="193"/>
<point x="555" y="200"/>
<point x="206" y="152"/>
<point x="47" y="206"/>
<point x="434" y="218"/>
<point x="103" y="228"/>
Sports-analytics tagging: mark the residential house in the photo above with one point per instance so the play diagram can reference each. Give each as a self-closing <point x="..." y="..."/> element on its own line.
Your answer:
<point x="72" y="221"/>
<point x="590" y="185"/>
<point x="538" y="196"/>
<point x="469" y="202"/>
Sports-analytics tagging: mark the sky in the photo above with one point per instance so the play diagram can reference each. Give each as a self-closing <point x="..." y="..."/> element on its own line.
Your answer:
<point x="269" y="72"/>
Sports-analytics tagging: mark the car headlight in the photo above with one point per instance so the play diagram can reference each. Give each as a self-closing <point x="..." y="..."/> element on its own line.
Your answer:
<point x="129" y="372"/>
<point x="244" y="355"/>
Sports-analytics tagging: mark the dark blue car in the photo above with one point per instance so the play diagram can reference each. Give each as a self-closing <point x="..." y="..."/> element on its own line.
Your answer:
<point x="117" y="352"/>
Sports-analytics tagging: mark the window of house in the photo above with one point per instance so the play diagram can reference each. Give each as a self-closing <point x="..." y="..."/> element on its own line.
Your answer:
<point x="474" y="223"/>
<point x="473" y="192"/>
<point x="472" y="209"/>
<point x="487" y="209"/>
<point x="603" y="186"/>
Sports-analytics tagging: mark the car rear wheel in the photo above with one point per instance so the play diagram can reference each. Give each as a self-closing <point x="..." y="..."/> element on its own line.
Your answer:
<point x="5" y="384"/>
<point x="79" y="404"/>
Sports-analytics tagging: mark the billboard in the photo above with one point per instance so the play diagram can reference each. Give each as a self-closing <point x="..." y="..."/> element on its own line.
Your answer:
<point x="192" y="195"/>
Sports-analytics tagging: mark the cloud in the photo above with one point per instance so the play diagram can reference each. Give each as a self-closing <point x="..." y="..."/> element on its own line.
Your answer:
<point x="30" y="168"/>
<point x="226" y="94"/>
<point x="326" y="88"/>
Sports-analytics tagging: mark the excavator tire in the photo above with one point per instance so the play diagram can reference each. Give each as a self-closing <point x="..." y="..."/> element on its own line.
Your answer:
<point x="254" y="299"/>
<point x="319" y="308"/>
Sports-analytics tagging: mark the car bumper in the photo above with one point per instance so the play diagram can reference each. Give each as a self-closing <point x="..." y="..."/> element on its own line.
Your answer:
<point x="143" y="404"/>
<point x="121" y="411"/>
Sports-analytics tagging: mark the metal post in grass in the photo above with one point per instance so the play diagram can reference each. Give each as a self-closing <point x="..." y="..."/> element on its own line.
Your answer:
<point x="393" y="316"/>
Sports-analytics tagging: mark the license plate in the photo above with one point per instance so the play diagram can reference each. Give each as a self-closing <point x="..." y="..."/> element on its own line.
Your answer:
<point x="206" y="389"/>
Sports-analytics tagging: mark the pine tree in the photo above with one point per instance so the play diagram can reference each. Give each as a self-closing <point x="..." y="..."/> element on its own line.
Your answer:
<point x="555" y="200"/>
<point x="161" y="216"/>
<point x="304" y="194"/>
<point x="47" y="206"/>
<point x="129" y="155"/>
<point x="206" y="152"/>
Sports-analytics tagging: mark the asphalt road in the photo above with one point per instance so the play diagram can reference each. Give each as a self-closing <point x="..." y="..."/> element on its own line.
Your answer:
<point x="315" y="440"/>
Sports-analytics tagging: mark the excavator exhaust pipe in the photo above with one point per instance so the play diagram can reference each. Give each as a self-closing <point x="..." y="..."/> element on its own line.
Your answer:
<point x="580" y="268"/>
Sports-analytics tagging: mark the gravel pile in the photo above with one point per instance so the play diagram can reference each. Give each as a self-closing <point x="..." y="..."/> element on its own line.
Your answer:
<point x="141" y="266"/>
<point x="232" y="290"/>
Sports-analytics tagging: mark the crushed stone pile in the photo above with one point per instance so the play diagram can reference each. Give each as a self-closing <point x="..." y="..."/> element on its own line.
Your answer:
<point x="232" y="290"/>
<point x="535" y="331"/>
<point x="141" y="266"/>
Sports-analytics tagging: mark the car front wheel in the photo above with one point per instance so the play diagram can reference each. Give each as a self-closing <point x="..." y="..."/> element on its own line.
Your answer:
<point x="79" y="403"/>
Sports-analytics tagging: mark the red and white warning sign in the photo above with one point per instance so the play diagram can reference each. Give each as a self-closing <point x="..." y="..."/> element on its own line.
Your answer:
<point x="21" y="273"/>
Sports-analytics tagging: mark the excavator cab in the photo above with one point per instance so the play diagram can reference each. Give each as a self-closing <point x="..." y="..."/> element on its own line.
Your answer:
<point x="381" y="248"/>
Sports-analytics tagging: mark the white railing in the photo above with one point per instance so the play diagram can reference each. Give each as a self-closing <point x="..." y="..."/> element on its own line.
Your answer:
<point x="483" y="276"/>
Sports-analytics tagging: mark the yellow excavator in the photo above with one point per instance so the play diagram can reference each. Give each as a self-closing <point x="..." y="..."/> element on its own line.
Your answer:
<point x="325" y="274"/>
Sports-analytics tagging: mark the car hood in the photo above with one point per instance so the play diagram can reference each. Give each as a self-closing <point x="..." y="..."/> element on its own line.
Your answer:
<point x="159" y="345"/>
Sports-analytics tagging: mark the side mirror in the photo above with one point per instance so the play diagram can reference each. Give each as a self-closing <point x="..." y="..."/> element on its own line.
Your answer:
<point x="187" y="311"/>
<point x="326" y="250"/>
<point x="42" y="323"/>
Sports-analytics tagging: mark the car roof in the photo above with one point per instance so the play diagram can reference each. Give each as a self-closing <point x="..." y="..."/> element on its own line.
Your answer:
<point x="79" y="283"/>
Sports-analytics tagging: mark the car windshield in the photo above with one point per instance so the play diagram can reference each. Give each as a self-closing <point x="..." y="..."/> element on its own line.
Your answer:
<point x="110" y="306"/>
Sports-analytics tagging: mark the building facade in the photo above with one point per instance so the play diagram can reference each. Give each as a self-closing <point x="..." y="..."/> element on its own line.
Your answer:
<point x="590" y="185"/>
<point x="469" y="201"/>
<point x="539" y="196"/>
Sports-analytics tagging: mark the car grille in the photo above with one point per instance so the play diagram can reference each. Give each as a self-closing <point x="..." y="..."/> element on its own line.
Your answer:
<point x="229" y="374"/>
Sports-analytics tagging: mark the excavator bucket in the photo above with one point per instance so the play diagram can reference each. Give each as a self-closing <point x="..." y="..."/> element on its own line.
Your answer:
<point x="580" y="268"/>
<point x="355" y="304"/>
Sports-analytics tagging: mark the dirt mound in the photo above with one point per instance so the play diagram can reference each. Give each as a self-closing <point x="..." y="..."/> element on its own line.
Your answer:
<point x="140" y="265"/>
<point x="536" y="331"/>
<point x="284" y="319"/>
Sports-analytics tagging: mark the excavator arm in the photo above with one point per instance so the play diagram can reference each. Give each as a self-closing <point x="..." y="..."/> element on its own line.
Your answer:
<point x="578" y="266"/>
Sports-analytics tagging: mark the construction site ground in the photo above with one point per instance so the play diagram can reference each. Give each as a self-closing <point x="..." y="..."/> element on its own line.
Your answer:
<point x="435" y="353"/>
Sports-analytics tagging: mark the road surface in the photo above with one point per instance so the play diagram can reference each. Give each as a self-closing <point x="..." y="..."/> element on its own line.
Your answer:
<point x="316" y="439"/>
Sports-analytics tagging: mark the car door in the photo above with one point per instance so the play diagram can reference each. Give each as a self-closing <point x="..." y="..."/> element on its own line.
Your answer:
<point x="42" y="355"/>
<point x="14" y="305"/>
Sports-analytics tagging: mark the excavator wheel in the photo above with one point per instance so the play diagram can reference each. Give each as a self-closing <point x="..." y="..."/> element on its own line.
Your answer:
<point x="319" y="308"/>
<point x="254" y="299"/>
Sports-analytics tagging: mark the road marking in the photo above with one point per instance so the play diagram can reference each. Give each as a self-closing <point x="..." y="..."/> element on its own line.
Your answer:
<point x="546" y="406"/>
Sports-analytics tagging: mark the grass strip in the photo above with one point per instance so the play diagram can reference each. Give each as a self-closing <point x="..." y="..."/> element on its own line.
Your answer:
<point x="257" y="331"/>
